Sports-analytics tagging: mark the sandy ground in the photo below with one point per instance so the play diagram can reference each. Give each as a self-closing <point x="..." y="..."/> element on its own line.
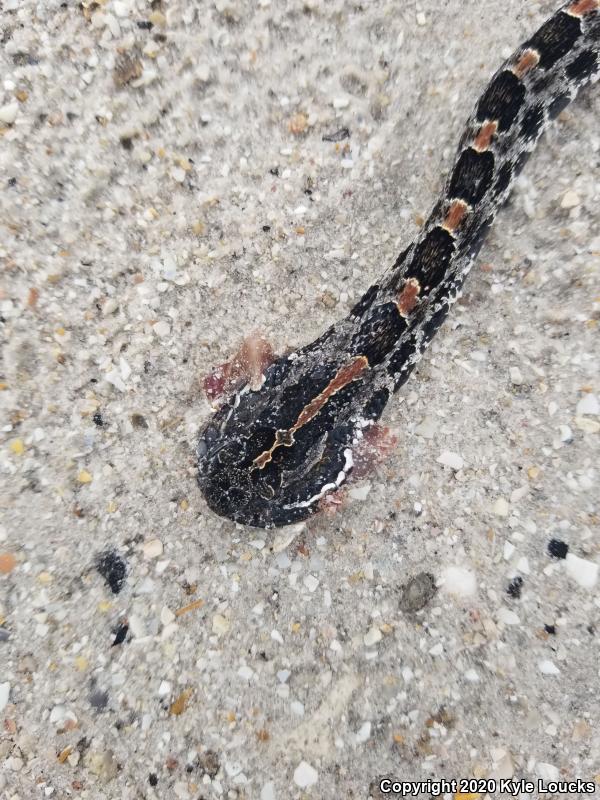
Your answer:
<point x="166" y="189"/>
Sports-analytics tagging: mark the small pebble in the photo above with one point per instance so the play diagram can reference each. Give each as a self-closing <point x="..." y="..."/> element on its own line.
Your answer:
<point x="179" y="705"/>
<point x="516" y="377"/>
<point x="137" y="626"/>
<point x="501" y="508"/>
<point x="523" y="565"/>
<point x="120" y="635"/>
<point x="570" y="199"/>
<point x="305" y="775"/>
<point x="458" y="581"/>
<point x="268" y="791"/>
<point x="427" y="429"/>
<point x="220" y="625"/>
<point x="102" y="764"/>
<point x="418" y="592"/>
<point x="113" y="569"/>
<point x="514" y="587"/>
<point x="167" y="616"/>
<point x="209" y="763"/>
<point x="8" y="112"/>
<point x="161" y="329"/>
<point x="336" y="136"/>
<point x="341" y="102"/>
<point x="558" y="548"/>
<point x="547" y="772"/>
<point x="582" y="571"/>
<point x="4" y="694"/>
<point x="547" y="667"/>
<point x="588" y="404"/>
<point x="17" y="446"/>
<point x="139" y="421"/>
<point x="153" y="548"/>
<point x="587" y="425"/>
<point x="364" y="733"/>
<point x="508" y="550"/>
<point x="372" y="637"/>
<point x="450" y="459"/>
<point x="360" y="492"/>
<point x="246" y="673"/>
<point x="7" y="563"/>
<point x="99" y="699"/>
<point x="519" y="494"/>
<point x="566" y="434"/>
<point x="178" y="174"/>
<point x="508" y="617"/>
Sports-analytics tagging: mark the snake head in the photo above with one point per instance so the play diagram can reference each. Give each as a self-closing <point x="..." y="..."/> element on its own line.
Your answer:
<point x="269" y="455"/>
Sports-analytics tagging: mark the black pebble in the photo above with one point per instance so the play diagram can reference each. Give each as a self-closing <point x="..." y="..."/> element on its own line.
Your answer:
<point x="120" y="634"/>
<point x="417" y="592"/>
<point x="12" y="181"/>
<point x="98" y="419"/>
<point x="266" y="228"/>
<point x="152" y="779"/>
<point x="113" y="569"/>
<point x="558" y="549"/>
<point x="209" y="763"/>
<point x="550" y="629"/>
<point x="139" y="421"/>
<point x="514" y="587"/>
<point x="99" y="699"/>
<point x="337" y="136"/>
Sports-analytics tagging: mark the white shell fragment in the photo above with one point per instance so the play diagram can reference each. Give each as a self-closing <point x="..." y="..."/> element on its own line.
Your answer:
<point x="582" y="571"/>
<point x="458" y="581"/>
<point x="450" y="459"/>
<point x="305" y="775"/>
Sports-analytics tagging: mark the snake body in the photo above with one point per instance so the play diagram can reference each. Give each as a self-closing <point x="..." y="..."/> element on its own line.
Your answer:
<point x="270" y="454"/>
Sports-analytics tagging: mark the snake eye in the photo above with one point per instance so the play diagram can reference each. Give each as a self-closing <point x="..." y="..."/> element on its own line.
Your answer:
<point x="202" y="449"/>
<point x="209" y="435"/>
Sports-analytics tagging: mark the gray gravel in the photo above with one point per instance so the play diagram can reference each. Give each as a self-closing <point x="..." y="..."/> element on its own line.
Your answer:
<point x="166" y="190"/>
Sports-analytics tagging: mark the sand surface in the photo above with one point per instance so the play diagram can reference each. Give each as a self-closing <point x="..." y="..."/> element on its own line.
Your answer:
<point x="167" y="188"/>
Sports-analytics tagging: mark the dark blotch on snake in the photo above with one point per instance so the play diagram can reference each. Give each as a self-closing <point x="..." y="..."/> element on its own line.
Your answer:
<point x="502" y="100"/>
<point x="378" y="333"/>
<point x="555" y="38"/>
<point x="472" y="176"/>
<point x="532" y="122"/>
<point x="583" y="66"/>
<point x="432" y="257"/>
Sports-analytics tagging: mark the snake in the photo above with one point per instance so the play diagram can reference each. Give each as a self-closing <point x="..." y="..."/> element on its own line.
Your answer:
<point x="277" y="447"/>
